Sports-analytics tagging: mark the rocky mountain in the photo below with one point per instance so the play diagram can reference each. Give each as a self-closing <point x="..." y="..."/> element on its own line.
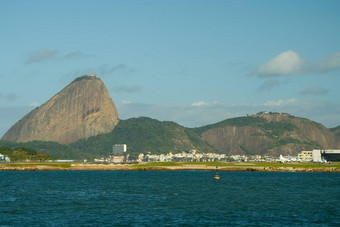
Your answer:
<point x="82" y="109"/>
<point x="267" y="133"/>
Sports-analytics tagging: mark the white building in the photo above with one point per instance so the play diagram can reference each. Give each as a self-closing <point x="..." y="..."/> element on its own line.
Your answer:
<point x="119" y="149"/>
<point x="4" y="158"/>
<point x="117" y="159"/>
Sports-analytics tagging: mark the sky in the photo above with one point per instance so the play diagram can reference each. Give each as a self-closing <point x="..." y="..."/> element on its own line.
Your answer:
<point x="193" y="62"/>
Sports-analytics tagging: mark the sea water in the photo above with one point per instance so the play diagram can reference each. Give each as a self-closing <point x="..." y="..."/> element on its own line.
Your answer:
<point x="184" y="198"/>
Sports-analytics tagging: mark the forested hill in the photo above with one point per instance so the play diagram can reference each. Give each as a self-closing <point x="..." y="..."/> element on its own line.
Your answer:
<point x="144" y="135"/>
<point x="267" y="133"/>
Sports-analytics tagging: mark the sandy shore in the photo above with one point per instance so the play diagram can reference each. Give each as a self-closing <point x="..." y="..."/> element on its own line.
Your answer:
<point x="103" y="167"/>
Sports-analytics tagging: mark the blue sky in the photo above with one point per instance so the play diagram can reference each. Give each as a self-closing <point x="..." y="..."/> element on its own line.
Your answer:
<point x="193" y="62"/>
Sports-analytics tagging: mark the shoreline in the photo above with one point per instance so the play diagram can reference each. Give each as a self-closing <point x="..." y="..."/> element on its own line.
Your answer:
<point x="184" y="167"/>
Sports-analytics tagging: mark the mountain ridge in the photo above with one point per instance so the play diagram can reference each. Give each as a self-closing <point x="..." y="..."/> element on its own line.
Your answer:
<point x="271" y="134"/>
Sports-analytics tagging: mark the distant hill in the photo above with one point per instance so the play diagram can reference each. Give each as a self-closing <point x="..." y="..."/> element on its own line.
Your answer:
<point x="143" y="135"/>
<point x="81" y="110"/>
<point x="267" y="134"/>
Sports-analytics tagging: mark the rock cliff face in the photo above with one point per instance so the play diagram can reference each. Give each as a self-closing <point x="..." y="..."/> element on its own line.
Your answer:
<point x="82" y="109"/>
<point x="266" y="133"/>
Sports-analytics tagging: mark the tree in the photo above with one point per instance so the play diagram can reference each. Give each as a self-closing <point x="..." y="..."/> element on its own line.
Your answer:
<point x="18" y="155"/>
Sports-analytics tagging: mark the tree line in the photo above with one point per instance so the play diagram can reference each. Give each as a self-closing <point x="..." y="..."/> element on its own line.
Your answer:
<point x="23" y="154"/>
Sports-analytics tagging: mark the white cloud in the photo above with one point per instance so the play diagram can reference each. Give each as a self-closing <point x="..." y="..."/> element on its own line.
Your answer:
<point x="326" y="64"/>
<point x="280" y="102"/>
<point x="288" y="62"/>
<point x="125" y="102"/>
<point x="34" y="104"/>
<point x="200" y="103"/>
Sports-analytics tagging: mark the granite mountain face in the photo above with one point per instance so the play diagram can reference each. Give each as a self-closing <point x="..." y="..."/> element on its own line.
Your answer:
<point x="82" y="109"/>
<point x="268" y="134"/>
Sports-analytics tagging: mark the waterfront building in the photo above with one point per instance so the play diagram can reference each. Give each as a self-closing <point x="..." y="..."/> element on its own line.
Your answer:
<point x="331" y="155"/>
<point x="306" y="156"/>
<point x="117" y="159"/>
<point x="4" y="158"/>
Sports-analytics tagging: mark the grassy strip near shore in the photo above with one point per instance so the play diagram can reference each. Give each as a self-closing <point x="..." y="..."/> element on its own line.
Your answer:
<point x="47" y="164"/>
<point x="240" y="164"/>
<point x="156" y="164"/>
<point x="297" y="165"/>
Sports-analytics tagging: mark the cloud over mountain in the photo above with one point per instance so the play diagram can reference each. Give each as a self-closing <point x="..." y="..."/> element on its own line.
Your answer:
<point x="290" y="62"/>
<point x="329" y="63"/>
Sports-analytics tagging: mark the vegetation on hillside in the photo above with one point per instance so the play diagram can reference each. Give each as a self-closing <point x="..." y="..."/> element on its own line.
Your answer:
<point x="85" y="77"/>
<point x="23" y="154"/>
<point x="143" y="135"/>
<point x="54" y="149"/>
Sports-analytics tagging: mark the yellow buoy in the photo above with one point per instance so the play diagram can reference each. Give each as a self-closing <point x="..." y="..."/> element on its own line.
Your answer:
<point x="216" y="177"/>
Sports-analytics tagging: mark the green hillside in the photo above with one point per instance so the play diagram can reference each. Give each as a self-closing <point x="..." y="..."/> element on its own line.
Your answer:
<point x="143" y="135"/>
<point x="55" y="150"/>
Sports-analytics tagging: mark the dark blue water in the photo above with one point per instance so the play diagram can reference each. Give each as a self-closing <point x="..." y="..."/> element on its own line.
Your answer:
<point x="189" y="198"/>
